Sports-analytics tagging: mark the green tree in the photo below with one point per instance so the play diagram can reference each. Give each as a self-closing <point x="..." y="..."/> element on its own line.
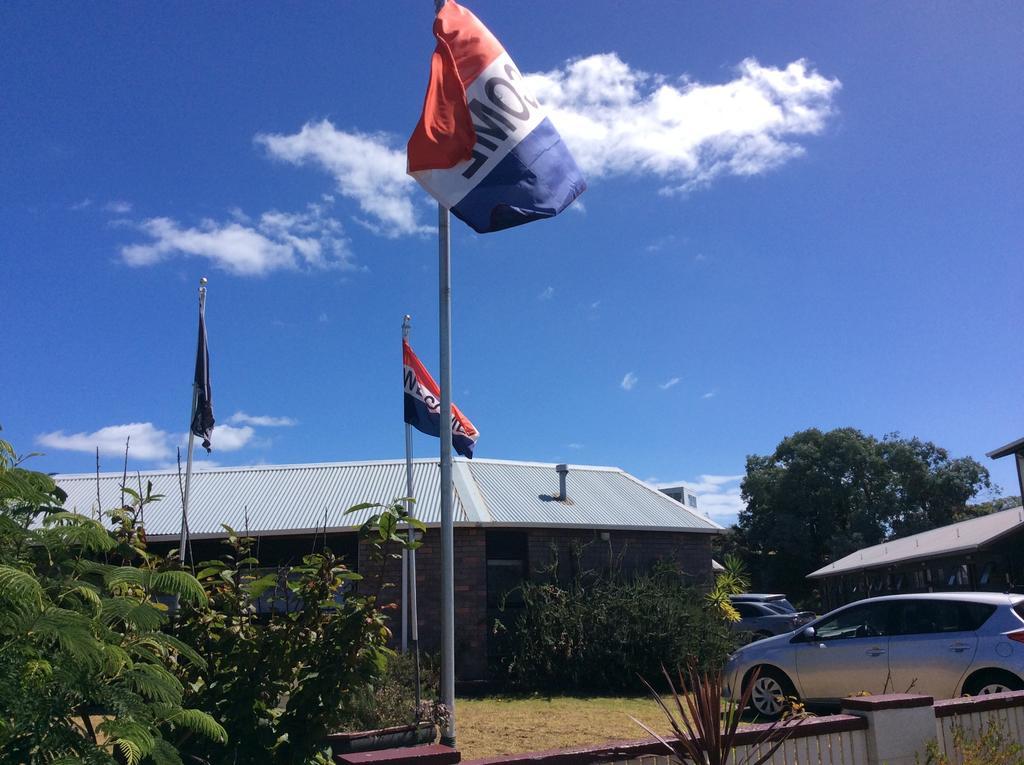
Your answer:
<point x="822" y="495"/>
<point x="86" y="674"/>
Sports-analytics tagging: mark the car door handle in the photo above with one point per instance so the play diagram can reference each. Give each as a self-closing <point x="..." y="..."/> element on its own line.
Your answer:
<point x="875" y="651"/>
<point x="959" y="647"/>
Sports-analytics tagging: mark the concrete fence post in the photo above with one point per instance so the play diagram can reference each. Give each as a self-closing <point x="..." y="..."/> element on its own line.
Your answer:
<point x="900" y="726"/>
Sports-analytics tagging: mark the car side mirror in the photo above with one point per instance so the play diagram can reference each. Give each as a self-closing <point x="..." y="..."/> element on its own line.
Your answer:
<point x="808" y="633"/>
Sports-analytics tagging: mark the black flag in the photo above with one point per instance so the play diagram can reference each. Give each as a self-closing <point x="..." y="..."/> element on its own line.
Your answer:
<point x="202" y="415"/>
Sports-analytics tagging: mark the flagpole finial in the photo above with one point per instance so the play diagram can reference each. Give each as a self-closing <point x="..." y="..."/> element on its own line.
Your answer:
<point x="202" y="281"/>
<point x="406" y="324"/>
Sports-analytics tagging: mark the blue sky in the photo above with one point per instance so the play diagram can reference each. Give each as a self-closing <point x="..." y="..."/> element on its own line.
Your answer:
<point x="799" y="215"/>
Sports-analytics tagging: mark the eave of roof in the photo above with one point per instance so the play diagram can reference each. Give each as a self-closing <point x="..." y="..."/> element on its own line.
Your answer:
<point x="1014" y="447"/>
<point x="283" y="500"/>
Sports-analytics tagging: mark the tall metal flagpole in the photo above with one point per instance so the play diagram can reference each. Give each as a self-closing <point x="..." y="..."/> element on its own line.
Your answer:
<point x="409" y="572"/>
<point x="182" y="546"/>
<point x="447" y="533"/>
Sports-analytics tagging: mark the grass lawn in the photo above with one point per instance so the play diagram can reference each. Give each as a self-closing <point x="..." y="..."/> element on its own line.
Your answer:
<point x="499" y="725"/>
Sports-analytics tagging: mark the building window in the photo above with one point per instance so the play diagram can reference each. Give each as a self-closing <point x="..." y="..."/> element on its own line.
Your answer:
<point x="691" y="500"/>
<point x="507" y="566"/>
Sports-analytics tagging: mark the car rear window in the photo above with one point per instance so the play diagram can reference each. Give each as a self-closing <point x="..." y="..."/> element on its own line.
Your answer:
<point x="746" y="610"/>
<point x="1019" y="609"/>
<point x="922" y="617"/>
<point x="975" y="614"/>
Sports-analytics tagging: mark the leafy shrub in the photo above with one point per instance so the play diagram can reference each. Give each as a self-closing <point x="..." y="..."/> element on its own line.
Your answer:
<point x="280" y="682"/>
<point x="96" y="667"/>
<point x="391" y="698"/>
<point x="603" y="632"/>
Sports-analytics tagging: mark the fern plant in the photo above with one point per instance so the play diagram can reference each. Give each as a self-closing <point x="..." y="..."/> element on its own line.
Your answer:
<point x="86" y="672"/>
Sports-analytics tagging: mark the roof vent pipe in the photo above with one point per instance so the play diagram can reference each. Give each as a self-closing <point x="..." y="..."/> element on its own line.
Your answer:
<point x="563" y="471"/>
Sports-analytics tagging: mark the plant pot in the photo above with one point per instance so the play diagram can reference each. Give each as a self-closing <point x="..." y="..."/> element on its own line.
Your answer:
<point x="382" y="738"/>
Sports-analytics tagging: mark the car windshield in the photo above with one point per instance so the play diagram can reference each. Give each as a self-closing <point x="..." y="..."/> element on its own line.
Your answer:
<point x="867" y="620"/>
<point x="777" y="608"/>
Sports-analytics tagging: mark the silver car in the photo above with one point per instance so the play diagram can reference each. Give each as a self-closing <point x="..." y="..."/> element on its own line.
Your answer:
<point x="939" y="644"/>
<point x="760" y="620"/>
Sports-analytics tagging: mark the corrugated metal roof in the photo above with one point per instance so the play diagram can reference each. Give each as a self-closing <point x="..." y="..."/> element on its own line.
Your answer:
<point x="946" y="540"/>
<point x="287" y="499"/>
<point x="522" y="493"/>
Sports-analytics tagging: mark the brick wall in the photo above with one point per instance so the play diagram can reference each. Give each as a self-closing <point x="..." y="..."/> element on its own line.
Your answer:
<point x="631" y="551"/>
<point x="628" y="551"/>
<point x="470" y="597"/>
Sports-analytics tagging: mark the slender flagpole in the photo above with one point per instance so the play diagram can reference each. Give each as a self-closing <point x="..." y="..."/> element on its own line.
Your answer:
<point x="447" y="531"/>
<point x="409" y="580"/>
<point x="182" y="546"/>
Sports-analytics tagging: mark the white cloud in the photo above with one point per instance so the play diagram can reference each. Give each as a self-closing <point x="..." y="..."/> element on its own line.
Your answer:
<point x="710" y="394"/>
<point x="82" y="204"/>
<point x="547" y="293"/>
<point x="322" y="318"/>
<point x="615" y="119"/>
<point x="575" y="445"/>
<point x="227" y="438"/>
<point x="276" y="241"/>
<point x="629" y="381"/>
<point x="718" y="496"/>
<point x="118" y="207"/>
<point x="662" y="243"/>
<point x="265" y="421"/>
<point x="147" y="441"/>
<point x="669" y="383"/>
<point x="623" y="121"/>
<point x="366" y="168"/>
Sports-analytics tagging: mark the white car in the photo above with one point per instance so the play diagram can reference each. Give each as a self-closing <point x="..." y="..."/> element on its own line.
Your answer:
<point x="939" y="644"/>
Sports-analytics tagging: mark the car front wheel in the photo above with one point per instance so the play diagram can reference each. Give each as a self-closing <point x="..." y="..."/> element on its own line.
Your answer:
<point x="770" y="690"/>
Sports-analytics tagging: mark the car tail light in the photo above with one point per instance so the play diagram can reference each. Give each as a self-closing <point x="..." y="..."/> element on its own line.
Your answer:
<point x="1018" y="636"/>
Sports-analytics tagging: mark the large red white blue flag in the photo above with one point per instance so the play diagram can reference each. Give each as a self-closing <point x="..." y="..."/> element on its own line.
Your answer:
<point x="423" y="405"/>
<point x="484" y="147"/>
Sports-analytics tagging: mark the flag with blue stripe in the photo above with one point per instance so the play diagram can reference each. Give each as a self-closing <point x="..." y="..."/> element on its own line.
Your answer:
<point x="423" y="405"/>
<point x="484" y="146"/>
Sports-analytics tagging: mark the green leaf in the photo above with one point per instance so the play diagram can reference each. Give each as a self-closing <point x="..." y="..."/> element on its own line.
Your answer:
<point x="133" y="612"/>
<point x="154" y="682"/>
<point x="164" y="753"/>
<point x="362" y="506"/>
<point x="261" y="585"/>
<point x="164" y="643"/>
<point x="20" y="589"/>
<point x="201" y="723"/>
<point x="126" y="575"/>
<point x="211" y="569"/>
<point x="182" y="584"/>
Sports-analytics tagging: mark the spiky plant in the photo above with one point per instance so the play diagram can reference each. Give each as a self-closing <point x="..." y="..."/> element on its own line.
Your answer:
<point x="86" y="674"/>
<point x="706" y="727"/>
